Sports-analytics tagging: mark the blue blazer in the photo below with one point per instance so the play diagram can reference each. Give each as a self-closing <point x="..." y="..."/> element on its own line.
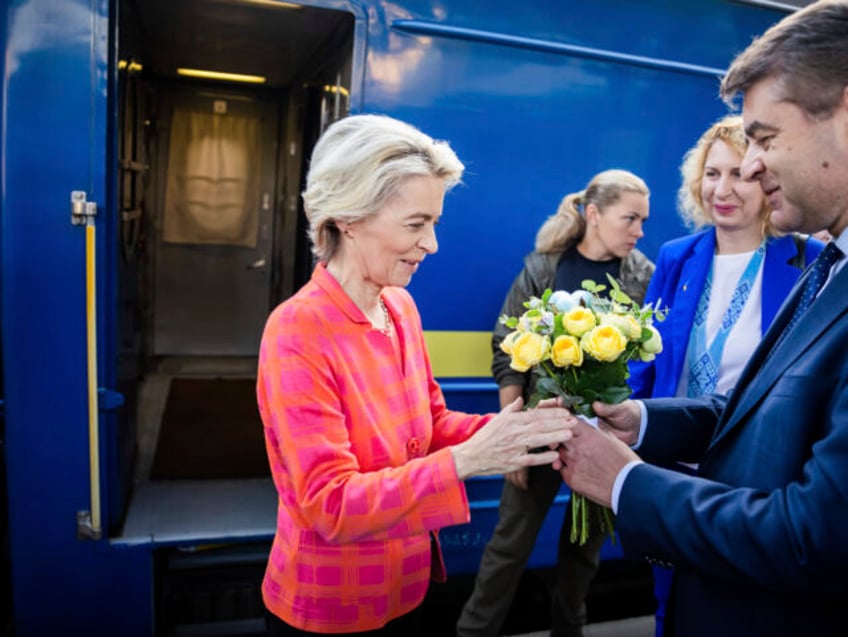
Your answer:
<point x="678" y="281"/>
<point x="760" y="536"/>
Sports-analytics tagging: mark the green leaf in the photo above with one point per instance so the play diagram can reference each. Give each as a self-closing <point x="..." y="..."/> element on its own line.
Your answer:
<point x="617" y="294"/>
<point x="510" y="321"/>
<point x="559" y="330"/>
<point x="534" y="400"/>
<point x="549" y="386"/>
<point x="588" y="285"/>
<point x="614" y="395"/>
<point x="620" y="297"/>
<point x="591" y="395"/>
<point x="584" y="410"/>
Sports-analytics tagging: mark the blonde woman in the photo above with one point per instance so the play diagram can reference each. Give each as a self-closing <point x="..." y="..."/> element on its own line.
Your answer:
<point x="367" y="460"/>
<point x="734" y="262"/>
<point x="593" y="233"/>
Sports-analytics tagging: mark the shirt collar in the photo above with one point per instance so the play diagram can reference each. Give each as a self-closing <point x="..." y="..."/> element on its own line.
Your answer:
<point x="338" y="296"/>
<point x="841" y="243"/>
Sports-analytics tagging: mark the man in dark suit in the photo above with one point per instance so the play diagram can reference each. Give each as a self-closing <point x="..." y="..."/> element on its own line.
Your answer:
<point x="759" y="537"/>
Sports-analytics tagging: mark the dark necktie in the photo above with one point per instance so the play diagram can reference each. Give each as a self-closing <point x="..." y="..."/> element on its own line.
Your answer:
<point x="815" y="281"/>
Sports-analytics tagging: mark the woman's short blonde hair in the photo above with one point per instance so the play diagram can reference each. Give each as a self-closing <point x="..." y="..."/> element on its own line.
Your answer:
<point x="358" y="164"/>
<point x="568" y="224"/>
<point x="728" y="129"/>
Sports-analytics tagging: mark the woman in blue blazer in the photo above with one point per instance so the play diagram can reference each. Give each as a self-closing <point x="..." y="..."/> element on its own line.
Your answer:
<point x="723" y="284"/>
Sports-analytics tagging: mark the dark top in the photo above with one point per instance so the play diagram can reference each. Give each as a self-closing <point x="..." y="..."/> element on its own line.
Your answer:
<point x="573" y="268"/>
<point x="539" y="273"/>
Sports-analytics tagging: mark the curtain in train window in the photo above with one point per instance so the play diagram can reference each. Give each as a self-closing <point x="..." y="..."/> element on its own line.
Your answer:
<point x="212" y="187"/>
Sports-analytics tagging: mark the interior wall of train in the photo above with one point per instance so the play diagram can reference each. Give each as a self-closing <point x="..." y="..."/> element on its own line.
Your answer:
<point x="152" y="156"/>
<point x="211" y="173"/>
<point x="211" y="227"/>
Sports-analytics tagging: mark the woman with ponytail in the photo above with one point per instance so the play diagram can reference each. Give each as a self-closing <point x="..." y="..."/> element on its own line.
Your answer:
<point x="593" y="233"/>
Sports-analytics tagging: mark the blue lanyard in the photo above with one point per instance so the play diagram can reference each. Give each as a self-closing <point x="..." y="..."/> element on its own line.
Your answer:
<point x="704" y="361"/>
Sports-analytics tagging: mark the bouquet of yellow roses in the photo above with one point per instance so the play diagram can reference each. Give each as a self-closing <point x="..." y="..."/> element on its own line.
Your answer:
<point x="578" y="345"/>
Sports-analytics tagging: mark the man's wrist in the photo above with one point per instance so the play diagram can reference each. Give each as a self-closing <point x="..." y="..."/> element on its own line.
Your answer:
<point x="643" y="424"/>
<point x="618" y="484"/>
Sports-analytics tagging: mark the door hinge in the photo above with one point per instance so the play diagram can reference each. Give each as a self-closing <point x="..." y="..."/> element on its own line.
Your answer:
<point x="81" y="210"/>
<point x="85" y="528"/>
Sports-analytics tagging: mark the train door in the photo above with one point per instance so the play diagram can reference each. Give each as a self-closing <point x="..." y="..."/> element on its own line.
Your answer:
<point x="222" y="240"/>
<point x="215" y="194"/>
<point x="231" y="95"/>
<point x="55" y="142"/>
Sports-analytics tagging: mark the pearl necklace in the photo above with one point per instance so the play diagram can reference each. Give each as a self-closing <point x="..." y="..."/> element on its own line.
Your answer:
<point x="387" y="330"/>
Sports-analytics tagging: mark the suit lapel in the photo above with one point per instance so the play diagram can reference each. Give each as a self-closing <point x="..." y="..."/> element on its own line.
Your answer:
<point x="779" y="275"/>
<point x="772" y="358"/>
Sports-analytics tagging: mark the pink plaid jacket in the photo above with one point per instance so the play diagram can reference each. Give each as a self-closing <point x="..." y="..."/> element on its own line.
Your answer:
<point x="357" y="439"/>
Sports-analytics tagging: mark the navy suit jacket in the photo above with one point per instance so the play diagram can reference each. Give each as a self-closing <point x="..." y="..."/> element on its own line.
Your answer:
<point x="760" y="536"/>
<point x="678" y="281"/>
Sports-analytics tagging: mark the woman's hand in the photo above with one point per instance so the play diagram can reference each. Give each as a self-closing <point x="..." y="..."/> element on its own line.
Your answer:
<point x="504" y="444"/>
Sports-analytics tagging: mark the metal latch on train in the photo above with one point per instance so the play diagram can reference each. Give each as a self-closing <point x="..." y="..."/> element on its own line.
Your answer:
<point x="81" y="210"/>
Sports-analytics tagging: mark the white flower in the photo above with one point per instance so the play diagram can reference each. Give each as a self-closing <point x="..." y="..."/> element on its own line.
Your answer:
<point x="564" y="301"/>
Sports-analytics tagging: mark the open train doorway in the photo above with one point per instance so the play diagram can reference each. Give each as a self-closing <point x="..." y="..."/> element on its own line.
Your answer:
<point x="219" y="104"/>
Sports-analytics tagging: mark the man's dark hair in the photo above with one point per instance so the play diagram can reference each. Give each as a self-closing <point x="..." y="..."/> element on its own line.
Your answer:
<point x="807" y="52"/>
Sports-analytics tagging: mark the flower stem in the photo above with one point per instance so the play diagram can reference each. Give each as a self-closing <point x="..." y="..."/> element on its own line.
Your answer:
<point x="575" y="506"/>
<point x="584" y="531"/>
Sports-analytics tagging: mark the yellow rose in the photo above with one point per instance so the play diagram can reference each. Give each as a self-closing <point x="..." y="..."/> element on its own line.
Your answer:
<point x="604" y="343"/>
<point x="626" y="324"/>
<point x="578" y="321"/>
<point x="566" y="352"/>
<point x="529" y="349"/>
<point x="654" y="344"/>
<point x="506" y="343"/>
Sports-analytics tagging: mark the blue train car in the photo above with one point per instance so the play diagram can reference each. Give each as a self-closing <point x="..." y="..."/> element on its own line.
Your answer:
<point x="150" y="219"/>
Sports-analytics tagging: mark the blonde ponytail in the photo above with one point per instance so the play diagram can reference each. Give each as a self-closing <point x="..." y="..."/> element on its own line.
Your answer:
<point x="568" y="225"/>
<point x="564" y="227"/>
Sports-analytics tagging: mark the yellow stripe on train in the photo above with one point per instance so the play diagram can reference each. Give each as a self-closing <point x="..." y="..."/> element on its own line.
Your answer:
<point x="457" y="354"/>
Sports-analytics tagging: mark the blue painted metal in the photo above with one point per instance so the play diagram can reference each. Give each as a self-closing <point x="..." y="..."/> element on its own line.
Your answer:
<point x="5" y="575"/>
<point x="536" y="97"/>
<point x="535" y="102"/>
<point x="109" y="400"/>
<point x="533" y="44"/>
<point x="54" y="141"/>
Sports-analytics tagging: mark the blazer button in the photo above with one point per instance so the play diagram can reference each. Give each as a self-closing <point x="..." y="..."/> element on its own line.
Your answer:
<point x="413" y="447"/>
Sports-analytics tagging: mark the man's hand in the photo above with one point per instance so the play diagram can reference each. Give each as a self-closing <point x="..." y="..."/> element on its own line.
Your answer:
<point x="591" y="460"/>
<point x="518" y="478"/>
<point x="622" y="420"/>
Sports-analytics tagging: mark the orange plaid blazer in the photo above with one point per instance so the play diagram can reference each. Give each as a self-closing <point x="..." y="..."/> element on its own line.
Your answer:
<point x="356" y="431"/>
